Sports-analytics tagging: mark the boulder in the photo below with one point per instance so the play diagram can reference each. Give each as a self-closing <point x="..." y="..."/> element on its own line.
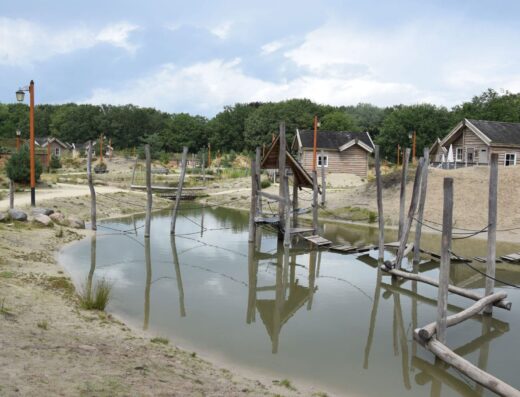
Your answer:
<point x="44" y="211"/>
<point x="76" y="223"/>
<point x="4" y="217"/>
<point x="58" y="217"/>
<point x="17" y="215"/>
<point x="42" y="219"/>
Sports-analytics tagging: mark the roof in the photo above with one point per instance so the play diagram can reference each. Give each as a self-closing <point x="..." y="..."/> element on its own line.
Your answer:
<point x="498" y="132"/>
<point x="43" y="141"/>
<point x="334" y="139"/>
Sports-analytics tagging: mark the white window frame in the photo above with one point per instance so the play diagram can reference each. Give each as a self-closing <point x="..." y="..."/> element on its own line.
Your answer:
<point x="457" y="158"/>
<point x="326" y="158"/>
<point x="505" y="159"/>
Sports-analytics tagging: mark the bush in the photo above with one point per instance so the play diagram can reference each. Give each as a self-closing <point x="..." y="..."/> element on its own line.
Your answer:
<point x="100" y="168"/>
<point x="55" y="163"/>
<point x="18" y="167"/>
<point x="96" y="298"/>
<point x="265" y="183"/>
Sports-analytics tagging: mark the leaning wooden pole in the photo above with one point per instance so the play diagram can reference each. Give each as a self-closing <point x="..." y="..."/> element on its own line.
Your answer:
<point x="444" y="271"/>
<point x="380" y="216"/>
<point x="148" y="190"/>
<point x="175" y="209"/>
<point x="254" y="198"/>
<point x="402" y="196"/>
<point x="315" y="201"/>
<point x="323" y="180"/>
<point x="492" y="229"/>
<point x="408" y="224"/>
<point x="91" y="188"/>
<point x="11" y="194"/>
<point x="281" y="175"/>
<point x="420" y="210"/>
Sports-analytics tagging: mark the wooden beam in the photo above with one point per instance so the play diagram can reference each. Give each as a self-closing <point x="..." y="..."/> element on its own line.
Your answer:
<point x="271" y="196"/>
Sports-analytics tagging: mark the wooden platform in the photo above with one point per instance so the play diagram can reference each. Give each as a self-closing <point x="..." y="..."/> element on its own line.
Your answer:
<point x="299" y="230"/>
<point x="269" y="220"/>
<point x="350" y="249"/>
<point x="513" y="258"/>
<point x="454" y="258"/>
<point x="317" y="240"/>
<point x="484" y="260"/>
<point x="169" y="188"/>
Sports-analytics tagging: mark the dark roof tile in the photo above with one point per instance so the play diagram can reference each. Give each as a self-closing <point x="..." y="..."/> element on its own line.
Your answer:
<point x="499" y="132"/>
<point x="333" y="139"/>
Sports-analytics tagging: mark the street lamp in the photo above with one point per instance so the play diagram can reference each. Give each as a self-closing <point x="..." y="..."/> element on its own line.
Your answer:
<point x="20" y="95"/>
<point x="18" y="134"/>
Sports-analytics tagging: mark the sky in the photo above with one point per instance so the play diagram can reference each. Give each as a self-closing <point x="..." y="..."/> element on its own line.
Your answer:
<point x="199" y="56"/>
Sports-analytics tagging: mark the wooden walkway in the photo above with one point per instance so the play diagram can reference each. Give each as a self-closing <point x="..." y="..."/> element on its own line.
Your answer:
<point x="317" y="240"/>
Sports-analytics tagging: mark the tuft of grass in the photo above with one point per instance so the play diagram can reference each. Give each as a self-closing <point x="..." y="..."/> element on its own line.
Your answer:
<point x="6" y="274"/>
<point x="159" y="340"/>
<point x="97" y="297"/>
<point x="3" y="308"/>
<point x="43" y="324"/>
<point x="61" y="284"/>
<point x="285" y="383"/>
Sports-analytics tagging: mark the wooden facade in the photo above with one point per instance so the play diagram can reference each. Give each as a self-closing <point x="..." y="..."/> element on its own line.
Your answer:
<point x="353" y="160"/>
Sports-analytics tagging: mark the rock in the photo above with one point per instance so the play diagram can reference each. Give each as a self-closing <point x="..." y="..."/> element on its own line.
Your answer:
<point x="4" y="217"/>
<point x="42" y="219"/>
<point x="17" y="215"/>
<point x="58" y="218"/>
<point x="44" y="211"/>
<point x="76" y="223"/>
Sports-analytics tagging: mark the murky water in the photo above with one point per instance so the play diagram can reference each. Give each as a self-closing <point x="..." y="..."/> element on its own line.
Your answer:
<point x="329" y="319"/>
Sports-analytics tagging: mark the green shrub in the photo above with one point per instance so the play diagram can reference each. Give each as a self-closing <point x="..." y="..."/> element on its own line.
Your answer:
<point x="55" y="163"/>
<point x="96" y="298"/>
<point x="100" y="168"/>
<point x="372" y="216"/>
<point x="265" y="183"/>
<point x="18" y="166"/>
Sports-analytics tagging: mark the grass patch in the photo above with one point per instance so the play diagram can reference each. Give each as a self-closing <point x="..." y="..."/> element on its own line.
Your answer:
<point x="3" y="308"/>
<point x="43" y="325"/>
<point x="354" y="214"/>
<point x="285" y="383"/>
<point x="97" y="297"/>
<point x="160" y="341"/>
<point x="6" y="274"/>
<point x="60" y="284"/>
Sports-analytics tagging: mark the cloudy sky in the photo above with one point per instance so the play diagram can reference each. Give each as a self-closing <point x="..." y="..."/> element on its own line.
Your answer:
<point x="197" y="56"/>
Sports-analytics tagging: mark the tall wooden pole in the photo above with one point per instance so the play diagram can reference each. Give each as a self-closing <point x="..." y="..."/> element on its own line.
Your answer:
<point x="252" y="211"/>
<point x="402" y="197"/>
<point x="414" y="142"/>
<point x="323" y="181"/>
<point x="444" y="271"/>
<point x="287" y="212"/>
<point x="148" y="190"/>
<point x="175" y="209"/>
<point x="315" y="144"/>
<point x="101" y="148"/>
<point x="93" y="219"/>
<point x="281" y="175"/>
<point x="11" y="194"/>
<point x="258" y="163"/>
<point x="380" y="214"/>
<point x="295" y="202"/>
<point x="31" y="144"/>
<point x="315" y="201"/>
<point x="209" y="155"/>
<point x="492" y="228"/>
<point x="420" y="211"/>
<point x="398" y="154"/>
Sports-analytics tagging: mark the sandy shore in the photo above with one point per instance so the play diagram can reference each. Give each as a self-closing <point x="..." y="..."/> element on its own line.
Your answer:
<point x="50" y="346"/>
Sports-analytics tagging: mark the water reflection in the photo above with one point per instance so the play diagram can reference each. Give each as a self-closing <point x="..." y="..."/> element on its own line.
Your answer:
<point x="178" y="274"/>
<point x="148" y="283"/>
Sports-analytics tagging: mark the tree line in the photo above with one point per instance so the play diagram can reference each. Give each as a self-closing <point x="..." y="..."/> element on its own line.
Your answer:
<point x="243" y="126"/>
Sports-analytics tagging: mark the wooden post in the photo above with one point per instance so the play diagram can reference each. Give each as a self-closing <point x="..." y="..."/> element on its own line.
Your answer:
<point x="315" y="201"/>
<point x="148" y="190"/>
<point x="295" y="202"/>
<point x="315" y="143"/>
<point x="380" y="216"/>
<point x="91" y="188"/>
<point x="48" y="156"/>
<point x="281" y="175"/>
<point x="258" y="162"/>
<point x="101" y="148"/>
<point x="203" y="171"/>
<point x="398" y="154"/>
<point x="133" y="173"/>
<point x="408" y="224"/>
<point x="323" y="181"/>
<point x="287" y="203"/>
<point x="492" y="228"/>
<point x="420" y="211"/>
<point x="175" y="209"/>
<point x="254" y="199"/>
<point x="402" y="197"/>
<point x="11" y="194"/>
<point x="209" y="155"/>
<point x="444" y="271"/>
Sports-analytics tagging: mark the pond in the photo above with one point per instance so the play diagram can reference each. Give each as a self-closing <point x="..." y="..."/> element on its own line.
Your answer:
<point x="327" y="319"/>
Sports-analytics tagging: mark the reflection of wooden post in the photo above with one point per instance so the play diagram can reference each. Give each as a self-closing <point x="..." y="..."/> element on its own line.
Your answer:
<point x="315" y="201"/>
<point x="175" y="209"/>
<point x="380" y="215"/>
<point x="148" y="284"/>
<point x="281" y="175"/>
<point x="402" y="339"/>
<point x="252" y="266"/>
<point x="492" y="228"/>
<point x="252" y="211"/>
<point x="402" y="197"/>
<point x="420" y="211"/>
<point x="90" y="277"/>
<point x="279" y="298"/>
<point x="323" y="180"/>
<point x="444" y="271"/>
<point x="483" y="355"/>
<point x="11" y="194"/>
<point x="202" y="220"/>
<point x="373" y="316"/>
<point x="148" y="190"/>
<point x="178" y="275"/>
<point x="91" y="188"/>
<point x="312" y="277"/>
<point x="203" y="171"/>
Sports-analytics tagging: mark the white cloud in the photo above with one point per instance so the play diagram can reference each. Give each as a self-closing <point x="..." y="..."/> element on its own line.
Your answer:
<point x="222" y="30"/>
<point x="23" y="42"/>
<point x="271" y="47"/>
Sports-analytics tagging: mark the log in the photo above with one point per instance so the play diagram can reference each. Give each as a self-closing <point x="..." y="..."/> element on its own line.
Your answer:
<point x="148" y="218"/>
<point x="481" y="377"/>
<point x="93" y="219"/>
<point x="444" y="270"/>
<point x="420" y="210"/>
<point x="175" y="209"/>
<point x="402" y="195"/>
<point x="492" y="228"/>
<point x="380" y="217"/>
<point x="466" y="293"/>
<point x="428" y="331"/>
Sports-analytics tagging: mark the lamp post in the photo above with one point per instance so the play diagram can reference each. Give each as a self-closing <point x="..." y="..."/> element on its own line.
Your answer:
<point x="18" y="133"/>
<point x="20" y="95"/>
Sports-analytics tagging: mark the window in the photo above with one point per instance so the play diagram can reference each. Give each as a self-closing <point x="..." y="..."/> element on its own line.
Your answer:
<point x="459" y="154"/>
<point x="323" y="161"/>
<point x="510" y="159"/>
<point x="57" y="151"/>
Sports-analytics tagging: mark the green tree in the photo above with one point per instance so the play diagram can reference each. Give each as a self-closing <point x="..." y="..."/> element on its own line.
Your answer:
<point x="338" y="121"/>
<point x="226" y="130"/>
<point x="18" y="167"/>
